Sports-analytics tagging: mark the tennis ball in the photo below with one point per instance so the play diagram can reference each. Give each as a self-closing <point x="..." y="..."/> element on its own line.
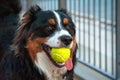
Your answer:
<point x="60" y="54"/>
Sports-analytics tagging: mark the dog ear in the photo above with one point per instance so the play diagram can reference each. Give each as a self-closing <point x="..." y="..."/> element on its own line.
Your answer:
<point x="29" y="16"/>
<point x="22" y="32"/>
<point x="34" y="9"/>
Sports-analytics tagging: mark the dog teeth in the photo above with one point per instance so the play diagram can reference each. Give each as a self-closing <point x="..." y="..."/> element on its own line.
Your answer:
<point x="61" y="63"/>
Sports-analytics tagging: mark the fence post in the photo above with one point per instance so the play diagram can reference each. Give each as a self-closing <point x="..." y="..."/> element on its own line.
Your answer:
<point x="30" y="3"/>
<point x="118" y="40"/>
<point x="62" y="4"/>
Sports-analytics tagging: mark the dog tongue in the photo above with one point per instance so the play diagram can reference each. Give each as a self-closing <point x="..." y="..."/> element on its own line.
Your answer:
<point x="69" y="64"/>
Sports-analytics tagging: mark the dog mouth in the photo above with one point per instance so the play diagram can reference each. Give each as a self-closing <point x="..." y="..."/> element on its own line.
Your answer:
<point x="68" y="64"/>
<point x="47" y="50"/>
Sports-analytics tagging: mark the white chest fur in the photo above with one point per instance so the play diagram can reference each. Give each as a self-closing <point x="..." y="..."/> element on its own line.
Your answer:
<point x="44" y="64"/>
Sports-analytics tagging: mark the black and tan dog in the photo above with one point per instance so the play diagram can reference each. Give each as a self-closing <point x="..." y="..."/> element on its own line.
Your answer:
<point x="29" y="58"/>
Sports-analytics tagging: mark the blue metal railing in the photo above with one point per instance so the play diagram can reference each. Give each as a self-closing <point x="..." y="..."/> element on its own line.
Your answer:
<point x="96" y="34"/>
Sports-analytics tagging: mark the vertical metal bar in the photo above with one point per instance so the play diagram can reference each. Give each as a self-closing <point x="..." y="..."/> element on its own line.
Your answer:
<point x="55" y="7"/>
<point x="100" y="34"/>
<point x="84" y="29"/>
<point x="29" y="3"/>
<point x="79" y="8"/>
<point x="94" y="8"/>
<point x="112" y="26"/>
<point x="44" y="4"/>
<point x="106" y="35"/>
<point x="48" y="5"/>
<point x="70" y="8"/>
<point x="51" y="4"/>
<point x="55" y="4"/>
<point x="62" y="4"/>
<point x="89" y="31"/>
<point x="118" y="40"/>
<point x="75" y="10"/>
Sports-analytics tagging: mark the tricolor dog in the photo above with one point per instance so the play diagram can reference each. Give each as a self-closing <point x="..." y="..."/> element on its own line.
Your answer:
<point x="29" y="57"/>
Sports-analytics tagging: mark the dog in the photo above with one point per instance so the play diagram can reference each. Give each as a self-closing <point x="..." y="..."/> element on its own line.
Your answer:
<point x="29" y="58"/>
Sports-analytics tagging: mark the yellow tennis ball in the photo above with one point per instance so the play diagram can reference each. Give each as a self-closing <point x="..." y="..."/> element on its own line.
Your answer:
<point x="60" y="54"/>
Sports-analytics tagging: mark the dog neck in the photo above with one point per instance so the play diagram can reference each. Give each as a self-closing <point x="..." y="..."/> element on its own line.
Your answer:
<point x="43" y="63"/>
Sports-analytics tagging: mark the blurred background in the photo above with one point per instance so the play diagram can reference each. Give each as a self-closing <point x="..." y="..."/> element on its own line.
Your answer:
<point x="97" y="26"/>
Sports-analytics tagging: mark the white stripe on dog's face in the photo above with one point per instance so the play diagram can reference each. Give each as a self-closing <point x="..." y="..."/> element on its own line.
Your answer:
<point x="54" y="40"/>
<point x="58" y="19"/>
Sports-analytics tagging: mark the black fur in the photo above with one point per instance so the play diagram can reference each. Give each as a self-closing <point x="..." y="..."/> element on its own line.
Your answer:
<point x="17" y="64"/>
<point x="14" y="67"/>
<point x="9" y="17"/>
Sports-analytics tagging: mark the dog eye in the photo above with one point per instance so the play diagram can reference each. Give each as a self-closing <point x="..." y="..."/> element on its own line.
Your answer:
<point x="67" y="27"/>
<point x="49" y="28"/>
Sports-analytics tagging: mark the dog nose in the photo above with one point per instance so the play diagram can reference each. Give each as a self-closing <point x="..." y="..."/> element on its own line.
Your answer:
<point x="66" y="39"/>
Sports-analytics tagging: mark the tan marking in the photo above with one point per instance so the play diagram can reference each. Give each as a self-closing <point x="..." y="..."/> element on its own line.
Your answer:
<point x="65" y="21"/>
<point x="51" y="21"/>
<point x="73" y="46"/>
<point x="34" y="46"/>
<point x="26" y="18"/>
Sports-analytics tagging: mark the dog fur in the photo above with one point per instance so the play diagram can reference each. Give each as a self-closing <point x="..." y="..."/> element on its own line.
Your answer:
<point x="26" y="59"/>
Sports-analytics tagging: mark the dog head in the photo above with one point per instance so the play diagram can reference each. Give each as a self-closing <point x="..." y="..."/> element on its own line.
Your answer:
<point x="42" y="30"/>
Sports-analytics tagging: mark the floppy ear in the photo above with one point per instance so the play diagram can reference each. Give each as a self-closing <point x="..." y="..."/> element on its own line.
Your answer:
<point x="23" y="29"/>
<point x="29" y="16"/>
